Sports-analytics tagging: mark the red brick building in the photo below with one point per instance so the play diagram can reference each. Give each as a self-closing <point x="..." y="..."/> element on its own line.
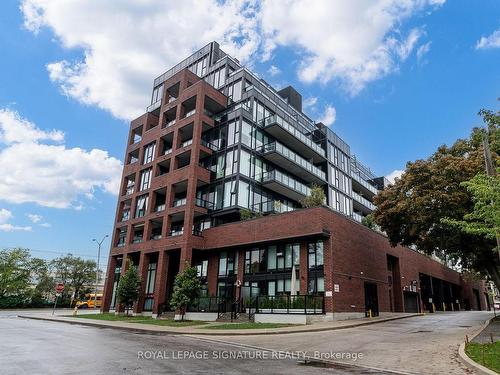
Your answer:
<point x="216" y="145"/>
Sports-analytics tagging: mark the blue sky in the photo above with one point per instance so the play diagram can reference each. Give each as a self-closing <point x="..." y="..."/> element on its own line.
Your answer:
<point x="399" y="82"/>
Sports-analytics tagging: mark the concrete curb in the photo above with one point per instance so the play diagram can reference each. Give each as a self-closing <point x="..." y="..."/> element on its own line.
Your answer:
<point x="468" y="361"/>
<point x="205" y="332"/>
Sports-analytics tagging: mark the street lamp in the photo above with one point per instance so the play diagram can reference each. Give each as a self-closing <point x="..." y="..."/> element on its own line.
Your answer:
<point x="99" y="243"/>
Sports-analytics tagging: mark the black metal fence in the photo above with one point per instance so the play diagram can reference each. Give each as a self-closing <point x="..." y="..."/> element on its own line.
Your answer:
<point x="287" y="304"/>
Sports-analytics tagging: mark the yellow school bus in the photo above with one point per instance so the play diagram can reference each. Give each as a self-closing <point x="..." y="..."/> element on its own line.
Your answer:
<point x="88" y="301"/>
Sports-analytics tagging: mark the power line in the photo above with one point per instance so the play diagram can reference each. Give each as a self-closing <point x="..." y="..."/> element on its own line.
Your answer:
<point x="55" y="252"/>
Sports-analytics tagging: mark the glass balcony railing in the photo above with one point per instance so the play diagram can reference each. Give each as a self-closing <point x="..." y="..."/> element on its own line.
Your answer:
<point x="204" y="203"/>
<point x="357" y="217"/>
<point x="271" y="206"/>
<point x="167" y="151"/>
<point x="286" y="180"/>
<point x="170" y="123"/>
<point x="154" y="106"/>
<point x="289" y="154"/>
<point x="189" y="142"/>
<point x="160" y="207"/>
<point x="190" y="113"/>
<point x="179" y="202"/>
<point x="278" y="120"/>
<point x="365" y="202"/>
<point x="364" y="183"/>
<point x="176" y="231"/>
<point x="209" y="145"/>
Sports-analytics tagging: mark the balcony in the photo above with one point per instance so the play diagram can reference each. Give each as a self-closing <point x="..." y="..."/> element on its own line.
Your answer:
<point x="292" y="162"/>
<point x="285" y="185"/>
<point x="357" y="217"/>
<point x="365" y="186"/>
<point x="160" y="208"/>
<point x="361" y="203"/>
<point x="179" y="231"/>
<point x="209" y="145"/>
<point x="179" y="202"/>
<point x="190" y="113"/>
<point x="153" y="107"/>
<point x="270" y="206"/>
<point x="189" y="142"/>
<point x="169" y="124"/>
<point x="293" y="138"/>
<point x="204" y="204"/>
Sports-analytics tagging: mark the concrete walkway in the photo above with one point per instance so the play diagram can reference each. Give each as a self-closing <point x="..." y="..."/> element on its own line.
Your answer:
<point x="198" y="330"/>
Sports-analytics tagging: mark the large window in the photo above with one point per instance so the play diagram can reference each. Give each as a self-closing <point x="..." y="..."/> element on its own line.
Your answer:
<point x="141" y="205"/>
<point x="145" y="179"/>
<point x="122" y="236"/>
<point x="228" y="263"/>
<point x="234" y="91"/>
<point x="272" y="258"/>
<point x="149" y="153"/>
<point x="315" y="252"/>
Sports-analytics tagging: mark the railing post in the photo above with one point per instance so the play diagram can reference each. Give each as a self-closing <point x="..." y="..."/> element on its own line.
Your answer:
<point x="305" y="304"/>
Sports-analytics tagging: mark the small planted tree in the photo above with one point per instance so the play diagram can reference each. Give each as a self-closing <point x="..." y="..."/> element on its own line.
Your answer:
<point x="187" y="288"/>
<point x="246" y="214"/>
<point x="315" y="198"/>
<point x="129" y="288"/>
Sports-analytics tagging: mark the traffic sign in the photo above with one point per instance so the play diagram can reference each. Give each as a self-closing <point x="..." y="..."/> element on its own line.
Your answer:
<point x="59" y="287"/>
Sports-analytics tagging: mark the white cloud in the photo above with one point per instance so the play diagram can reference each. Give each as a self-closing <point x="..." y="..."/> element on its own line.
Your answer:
<point x="125" y="46"/>
<point x="423" y="50"/>
<point x="351" y="42"/>
<point x="397" y="173"/>
<point x="50" y="175"/>
<point x="35" y="218"/>
<point x="5" y="216"/>
<point x="490" y="41"/>
<point x="274" y="70"/>
<point x="310" y="102"/>
<point x="329" y="115"/>
<point x="14" y="129"/>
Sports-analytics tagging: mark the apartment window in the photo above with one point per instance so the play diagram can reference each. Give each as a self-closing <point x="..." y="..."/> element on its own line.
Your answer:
<point x="122" y="237"/>
<point x="229" y="194"/>
<point x="255" y="261"/>
<point x="316" y="284"/>
<point x="130" y="185"/>
<point x="245" y="163"/>
<point x="150" y="280"/>
<point x="202" y="268"/>
<point x="315" y="252"/>
<point x="243" y="194"/>
<point x="138" y="233"/>
<point x="141" y="205"/>
<point x="145" y="179"/>
<point x="149" y="152"/>
<point x="157" y="94"/>
<point x="234" y="91"/>
<point x="228" y="263"/>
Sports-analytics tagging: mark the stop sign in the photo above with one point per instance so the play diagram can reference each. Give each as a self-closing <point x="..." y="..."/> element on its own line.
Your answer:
<point x="59" y="287"/>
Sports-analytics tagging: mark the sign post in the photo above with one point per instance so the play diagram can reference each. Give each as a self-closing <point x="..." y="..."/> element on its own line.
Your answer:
<point x="59" y="289"/>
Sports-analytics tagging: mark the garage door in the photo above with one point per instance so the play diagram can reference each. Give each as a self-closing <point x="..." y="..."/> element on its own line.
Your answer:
<point x="411" y="302"/>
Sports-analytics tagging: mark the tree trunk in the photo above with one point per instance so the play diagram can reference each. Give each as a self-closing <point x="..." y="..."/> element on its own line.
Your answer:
<point x="494" y="274"/>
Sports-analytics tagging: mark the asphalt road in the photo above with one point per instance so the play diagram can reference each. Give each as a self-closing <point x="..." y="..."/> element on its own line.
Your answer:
<point x="420" y="345"/>
<point x="39" y="347"/>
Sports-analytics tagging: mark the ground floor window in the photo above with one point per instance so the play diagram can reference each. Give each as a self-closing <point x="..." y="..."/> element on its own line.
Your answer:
<point x="150" y="286"/>
<point x="116" y="279"/>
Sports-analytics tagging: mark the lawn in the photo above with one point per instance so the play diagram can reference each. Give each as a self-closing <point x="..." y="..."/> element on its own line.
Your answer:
<point x="141" y="320"/>
<point x="487" y="355"/>
<point x="248" y="325"/>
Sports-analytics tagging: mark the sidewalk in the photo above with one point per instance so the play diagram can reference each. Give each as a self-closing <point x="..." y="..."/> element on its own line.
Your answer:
<point x="197" y="330"/>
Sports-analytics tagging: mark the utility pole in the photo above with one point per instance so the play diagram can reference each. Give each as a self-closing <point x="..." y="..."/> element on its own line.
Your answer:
<point x="490" y="171"/>
<point x="99" y="243"/>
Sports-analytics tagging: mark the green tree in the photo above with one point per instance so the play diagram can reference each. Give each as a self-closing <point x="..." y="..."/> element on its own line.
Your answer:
<point x="368" y="221"/>
<point x="484" y="219"/>
<point x="411" y="211"/>
<point x="315" y="198"/>
<point x="246" y="214"/>
<point x="75" y="273"/>
<point x="15" y="277"/>
<point x="129" y="287"/>
<point x="187" y="288"/>
<point x="41" y="276"/>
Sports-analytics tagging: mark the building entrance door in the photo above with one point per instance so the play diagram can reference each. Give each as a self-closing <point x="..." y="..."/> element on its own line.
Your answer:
<point x="371" y="299"/>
